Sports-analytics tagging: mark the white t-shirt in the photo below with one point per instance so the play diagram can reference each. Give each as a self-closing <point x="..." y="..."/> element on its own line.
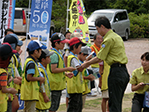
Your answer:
<point x="67" y="53"/>
<point x="74" y="62"/>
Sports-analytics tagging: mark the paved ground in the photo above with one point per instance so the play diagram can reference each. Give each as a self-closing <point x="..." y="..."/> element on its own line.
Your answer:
<point x="134" y="49"/>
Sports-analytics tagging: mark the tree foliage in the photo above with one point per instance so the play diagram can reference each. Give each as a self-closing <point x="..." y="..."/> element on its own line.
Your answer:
<point x="22" y="3"/>
<point x="59" y="8"/>
<point x="138" y="7"/>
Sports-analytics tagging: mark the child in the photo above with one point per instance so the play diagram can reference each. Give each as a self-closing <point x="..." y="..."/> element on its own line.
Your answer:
<point x="44" y="96"/>
<point x="138" y="81"/>
<point x="56" y="70"/>
<point x="75" y="34"/>
<point x="65" y="55"/>
<point x="75" y="85"/>
<point x="18" y="59"/>
<point x="103" y="84"/>
<point x="86" y="73"/>
<point x="30" y="77"/>
<point x="13" y="104"/>
<point x="6" y="53"/>
<point x="98" y="39"/>
<point x="67" y="35"/>
<point x="66" y="47"/>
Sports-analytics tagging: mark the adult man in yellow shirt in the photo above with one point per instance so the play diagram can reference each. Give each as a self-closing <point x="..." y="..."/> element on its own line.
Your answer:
<point x="113" y="52"/>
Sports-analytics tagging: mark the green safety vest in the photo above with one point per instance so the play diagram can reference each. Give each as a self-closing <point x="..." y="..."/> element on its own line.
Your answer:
<point x="30" y="89"/>
<point x="57" y="80"/>
<point x="75" y="84"/>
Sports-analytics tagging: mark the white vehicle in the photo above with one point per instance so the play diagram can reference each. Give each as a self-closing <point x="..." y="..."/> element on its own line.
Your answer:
<point x="118" y="18"/>
<point x="22" y="19"/>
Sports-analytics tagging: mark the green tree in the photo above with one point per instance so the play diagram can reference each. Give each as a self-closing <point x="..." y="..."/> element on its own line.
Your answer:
<point x="92" y="5"/>
<point x="22" y="3"/>
<point x="59" y="12"/>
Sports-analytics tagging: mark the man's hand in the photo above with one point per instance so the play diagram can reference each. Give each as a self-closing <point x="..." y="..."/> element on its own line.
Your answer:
<point x="141" y="84"/>
<point x="81" y="68"/>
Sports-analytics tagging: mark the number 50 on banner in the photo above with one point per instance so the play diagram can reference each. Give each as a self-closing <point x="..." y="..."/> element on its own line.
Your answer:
<point x="44" y="17"/>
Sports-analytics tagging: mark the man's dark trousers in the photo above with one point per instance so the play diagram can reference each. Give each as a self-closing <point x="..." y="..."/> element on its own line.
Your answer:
<point x="117" y="83"/>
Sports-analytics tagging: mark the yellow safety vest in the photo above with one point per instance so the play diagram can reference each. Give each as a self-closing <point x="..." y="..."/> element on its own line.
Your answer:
<point x="86" y="83"/>
<point x="105" y="75"/>
<point x="3" y="96"/>
<point x="30" y="89"/>
<point x="57" y="80"/>
<point x="11" y="72"/>
<point x="75" y="84"/>
<point x="95" y="65"/>
<point x="15" y="64"/>
<point x="41" y="105"/>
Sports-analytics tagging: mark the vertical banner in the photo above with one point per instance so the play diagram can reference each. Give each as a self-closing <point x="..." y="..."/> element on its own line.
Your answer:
<point x="78" y="20"/>
<point x="40" y="20"/>
<point x="7" y="10"/>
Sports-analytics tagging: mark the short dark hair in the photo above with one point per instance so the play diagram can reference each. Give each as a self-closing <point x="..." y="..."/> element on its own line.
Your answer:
<point x="5" y="57"/>
<point x="145" y="55"/>
<point x="95" y="36"/>
<point x="43" y="55"/>
<point x="53" y="38"/>
<point x="31" y="52"/>
<point x="102" y="20"/>
<point x="66" y="33"/>
<point x="83" y="54"/>
<point x="7" y="30"/>
<point x="76" y="46"/>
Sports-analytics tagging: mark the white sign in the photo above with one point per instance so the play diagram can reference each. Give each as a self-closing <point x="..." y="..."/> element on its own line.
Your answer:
<point x="7" y="10"/>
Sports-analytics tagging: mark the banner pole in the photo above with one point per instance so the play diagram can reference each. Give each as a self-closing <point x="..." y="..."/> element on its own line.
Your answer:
<point x="27" y="28"/>
<point x="67" y="15"/>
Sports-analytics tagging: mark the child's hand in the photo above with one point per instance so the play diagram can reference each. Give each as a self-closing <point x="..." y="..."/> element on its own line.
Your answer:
<point x="46" y="99"/>
<point x="99" y="85"/>
<point x="17" y="80"/>
<point x="9" y="97"/>
<point x="10" y="79"/>
<point x="91" y="77"/>
<point x="20" y="52"/>
<point x="88" y="58"/>
<point x="71" y="69"/>
<point x="41" y="79"/>
<point x="20" y="78"/>
<point x="13" y="91"/>
<point x="69" y="75"/>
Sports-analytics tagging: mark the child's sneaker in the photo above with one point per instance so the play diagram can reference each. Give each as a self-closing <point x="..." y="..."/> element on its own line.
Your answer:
<point x="92" y="93"/>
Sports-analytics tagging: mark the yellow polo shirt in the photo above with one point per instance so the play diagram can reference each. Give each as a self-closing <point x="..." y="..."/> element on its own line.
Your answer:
<point x="139" y="76"/>
<point x="112" y="49"/>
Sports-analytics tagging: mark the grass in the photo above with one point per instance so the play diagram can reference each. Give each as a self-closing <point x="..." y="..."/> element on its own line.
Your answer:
<point x="94" y="105"/>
